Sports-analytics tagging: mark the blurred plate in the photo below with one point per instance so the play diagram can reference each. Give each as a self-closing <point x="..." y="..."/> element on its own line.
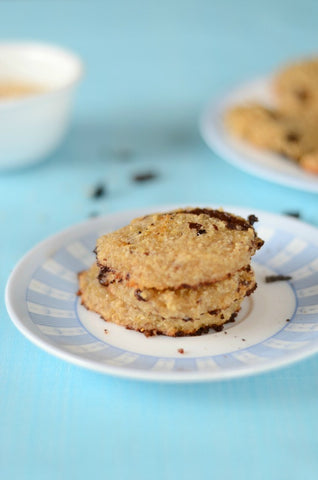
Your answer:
<point x="277" y="325"/>
<point x="257" y="162"/>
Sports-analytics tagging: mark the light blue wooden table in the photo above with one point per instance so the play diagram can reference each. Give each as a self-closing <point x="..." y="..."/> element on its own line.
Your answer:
<point x="150" y="69"/>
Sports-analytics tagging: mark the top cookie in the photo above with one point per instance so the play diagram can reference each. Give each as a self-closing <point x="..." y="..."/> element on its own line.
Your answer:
<point x="297" y="87"/>
<point x="186" y="247"/>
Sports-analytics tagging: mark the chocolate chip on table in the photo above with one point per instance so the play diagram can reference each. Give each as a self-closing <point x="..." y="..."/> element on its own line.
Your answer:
<point x="293" y="214"/>
<point x="144" y="177"/>
<point x="277" y="278"/>
<point x="98" y="191"/>
<point x="181" y="350"/>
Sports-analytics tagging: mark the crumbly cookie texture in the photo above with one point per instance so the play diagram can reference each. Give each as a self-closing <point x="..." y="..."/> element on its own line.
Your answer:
<point x="182" y="248"/>
<point x="296" y="87"/>
<point x="188" y="302"/>
<point x="99" y="299"/>
<point x="272" y="129"/>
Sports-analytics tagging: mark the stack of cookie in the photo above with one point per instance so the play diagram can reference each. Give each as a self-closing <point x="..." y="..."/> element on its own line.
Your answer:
<point x="176" y="273"/>
<point x="290" y="126"/>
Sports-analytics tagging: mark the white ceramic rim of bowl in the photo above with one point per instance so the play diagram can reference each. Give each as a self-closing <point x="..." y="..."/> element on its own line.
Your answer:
<point x="51" y="49"/>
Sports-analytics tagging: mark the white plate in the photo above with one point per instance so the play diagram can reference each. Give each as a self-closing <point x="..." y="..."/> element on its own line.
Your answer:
<point x="42" y="302"/>
<point x="252" y="160"/>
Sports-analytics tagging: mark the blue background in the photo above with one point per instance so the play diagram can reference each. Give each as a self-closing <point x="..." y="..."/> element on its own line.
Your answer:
<point x="150" y="67"/>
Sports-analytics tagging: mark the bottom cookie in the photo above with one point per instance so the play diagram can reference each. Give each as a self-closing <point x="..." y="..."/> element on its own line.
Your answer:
<point x="98" y="298"/>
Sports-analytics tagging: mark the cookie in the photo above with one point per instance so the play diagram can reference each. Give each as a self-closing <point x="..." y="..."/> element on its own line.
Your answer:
<point x="182" y="248"/>
<point x="296" y="87"/>
<point x="273" y="130"/>
<point x="187" y="302"/>
<point x="99" y="299"/>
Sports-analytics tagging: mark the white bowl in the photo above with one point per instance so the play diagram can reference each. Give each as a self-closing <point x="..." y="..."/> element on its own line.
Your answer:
<point x="32" y="126"/>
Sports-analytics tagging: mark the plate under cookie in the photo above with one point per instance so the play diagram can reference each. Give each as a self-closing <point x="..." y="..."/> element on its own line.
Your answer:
<point x="277" y="325"/>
